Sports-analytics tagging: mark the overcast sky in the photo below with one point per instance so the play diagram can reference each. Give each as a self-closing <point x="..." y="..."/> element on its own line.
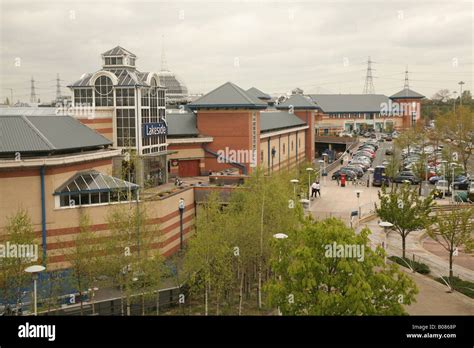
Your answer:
<point x="319" y="46"/>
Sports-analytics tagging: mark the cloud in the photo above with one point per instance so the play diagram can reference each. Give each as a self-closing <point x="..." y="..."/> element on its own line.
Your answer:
<point x="319" y="46"/>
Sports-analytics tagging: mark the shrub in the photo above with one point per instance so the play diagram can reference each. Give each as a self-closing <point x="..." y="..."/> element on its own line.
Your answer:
<point x="463" y="286"/>
<point x="419" y="267"/>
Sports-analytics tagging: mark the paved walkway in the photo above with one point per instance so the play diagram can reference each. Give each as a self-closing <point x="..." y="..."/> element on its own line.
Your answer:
<point x="433" y="297"/>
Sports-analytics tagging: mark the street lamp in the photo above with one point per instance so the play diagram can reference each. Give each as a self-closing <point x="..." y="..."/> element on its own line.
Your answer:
<point x="453" y="165"/>
<point x="181" y="212"/>
<point x="358" y="192"/>
<point x="320" y="165"/>
<point x="454" y="101"/>
<point x="294" y="182"/>
<point x="280" y="236"/>
<point x="34" y="270"/>
<point x="325" y="157"/>
<point x="386" y="229"/>
<point x="309" y="170"/>
<point x="371" y="172"/>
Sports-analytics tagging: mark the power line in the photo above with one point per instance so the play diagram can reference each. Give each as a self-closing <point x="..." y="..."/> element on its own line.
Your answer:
<point x="369" y="82"/>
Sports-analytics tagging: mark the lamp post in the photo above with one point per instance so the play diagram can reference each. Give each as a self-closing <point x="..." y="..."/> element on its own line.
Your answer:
<point x="358" y="192"/>
<point x="371" y="172"/>
<point x="454" y="101"/>
<point x="309" y="170"/>
<point x="460" y="83"/>
<point x="294" y="182"/>
<point x="181" y="212"/>
<point x="34" y="270"/>
<point x="280" y="236"/>
<point x="320" y="168"/>
<point x="386" y="229"/>
<point x="453" y="165"/>
<point x="325" y="157"/>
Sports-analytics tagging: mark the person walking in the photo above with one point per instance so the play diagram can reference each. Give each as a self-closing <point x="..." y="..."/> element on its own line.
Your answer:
<point x="313" y="190"/>
<point x="337" y="180"/>
<point x="318" y="188"/>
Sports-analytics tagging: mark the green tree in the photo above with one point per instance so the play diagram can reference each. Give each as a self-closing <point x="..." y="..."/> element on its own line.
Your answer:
<point x="84" y="259"/>
<point x="405" y="209"/>
<point x="393" y="166"/>
<point x="208" y="260"/>
<point x="13" y="278"/>
<point x="451" y="230"/>
<point x="310" y="280"/>
<point x="132" y="262"/>
<point x="458" y="127"/>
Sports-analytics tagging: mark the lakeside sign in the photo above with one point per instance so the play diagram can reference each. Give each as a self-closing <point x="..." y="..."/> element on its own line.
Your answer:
<point x="155" y="128"/>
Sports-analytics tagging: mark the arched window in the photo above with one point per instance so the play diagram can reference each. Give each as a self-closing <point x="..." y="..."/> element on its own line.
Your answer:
<point x="104" y="95"/>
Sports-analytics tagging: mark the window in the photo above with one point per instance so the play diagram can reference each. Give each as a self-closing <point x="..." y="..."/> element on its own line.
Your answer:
<point x="92" y="187"/>
<point x="126" y="127"/>
<point x="125" y="97"/>
<point x="283" y="149"/>
<point x="103" y="92"/>
<point x="83" y="97"/>
<point x="292" y="145"/>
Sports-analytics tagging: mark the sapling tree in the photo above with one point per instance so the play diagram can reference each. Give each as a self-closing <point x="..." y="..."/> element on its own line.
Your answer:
<point x="405" y="209"/>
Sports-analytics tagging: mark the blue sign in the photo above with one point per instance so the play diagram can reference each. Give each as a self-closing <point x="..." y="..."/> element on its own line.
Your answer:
<point x="156" y="128"/>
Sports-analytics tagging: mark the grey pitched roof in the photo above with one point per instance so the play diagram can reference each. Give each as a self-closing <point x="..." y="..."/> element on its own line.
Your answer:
<point x="258" y="93"/>
<point x="46" y="134"/>
<point x="228" y="95"/>
<point x="297" y="101"/>
<point x="407" y="93"/>
<point x="118" y="51"/>
<point x="276" y="120"/>
<point x="126" y="77"/>
<point x="181" y="124"/>
<point x="349" y="102"/>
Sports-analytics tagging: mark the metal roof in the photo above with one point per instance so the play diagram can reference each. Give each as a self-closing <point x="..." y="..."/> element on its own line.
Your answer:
<point x="46" y="134"/>
<point x="118" y="51"/>
<point x="407" y="93"/>
<point x="125" y="77"/>
<point x="275" y="120"/>
<point x="228" y="95"/>
<point x="350" y="102"/>
<point x="258" y="93"/>
<point x="297" y="101"/>
<point x="93" y="181"/>
<point x="181" y="124"/>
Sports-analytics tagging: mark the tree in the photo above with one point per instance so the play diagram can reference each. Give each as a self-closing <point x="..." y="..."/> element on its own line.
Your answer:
<point x="452" y="230"/>
<point x="84" y="259"/>
<point x="208" y="260"/>
<point x="312" y="280"/>
<point x="131" y="260"/>
<point x="393" y="166"/>
<point x="405" y="209"/>
<point x="13" y="278"/>
<point x="458" y="127"/>
<point x="442" y="95"/>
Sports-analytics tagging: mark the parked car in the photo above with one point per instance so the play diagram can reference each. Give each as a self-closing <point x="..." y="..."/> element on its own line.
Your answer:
<point x="461" y="183"/>
<point x="406" y="176"/>
<point x="434" y="179"/>
<point x="355" y="169"/>
<point x="350" y="175"/>
<point x="389" y="151"/>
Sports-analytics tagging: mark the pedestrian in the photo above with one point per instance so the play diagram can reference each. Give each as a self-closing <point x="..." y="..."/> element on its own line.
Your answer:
<point x="318" y="188"/>
<point x="337" y="180"/>
<point x="313" y="190"/>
